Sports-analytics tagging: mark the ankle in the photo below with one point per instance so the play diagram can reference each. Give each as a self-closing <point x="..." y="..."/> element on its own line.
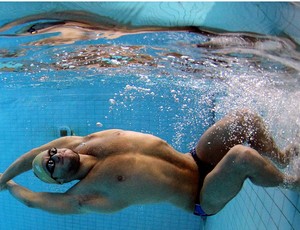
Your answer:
<point x="291" y="182"/>
<point x="291" y="151"/>
<point x="280" y="158"/>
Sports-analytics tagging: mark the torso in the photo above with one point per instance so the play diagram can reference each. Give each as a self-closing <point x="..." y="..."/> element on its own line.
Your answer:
<point x="135" y="168"/>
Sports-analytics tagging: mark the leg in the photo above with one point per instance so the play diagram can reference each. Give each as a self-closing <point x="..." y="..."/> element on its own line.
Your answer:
<point x="238" y="128"/>
<point x="227" y="178"/>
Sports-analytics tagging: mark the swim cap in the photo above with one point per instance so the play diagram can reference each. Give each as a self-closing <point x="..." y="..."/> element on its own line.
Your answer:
<point x="40" y="171"/>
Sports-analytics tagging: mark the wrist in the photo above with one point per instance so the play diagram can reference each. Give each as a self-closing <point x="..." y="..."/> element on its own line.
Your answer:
<point x="10" y="183"/>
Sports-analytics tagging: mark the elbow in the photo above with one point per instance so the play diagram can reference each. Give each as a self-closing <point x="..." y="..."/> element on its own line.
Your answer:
<point x="28" y="203"/>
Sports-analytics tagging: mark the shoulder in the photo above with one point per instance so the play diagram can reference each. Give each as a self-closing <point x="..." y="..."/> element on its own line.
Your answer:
<point x="74" y="141"/>
<point x="102" y="134"/>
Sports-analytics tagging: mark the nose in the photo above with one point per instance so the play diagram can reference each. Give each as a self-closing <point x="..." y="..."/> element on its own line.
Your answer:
<point x="56" y="157"/>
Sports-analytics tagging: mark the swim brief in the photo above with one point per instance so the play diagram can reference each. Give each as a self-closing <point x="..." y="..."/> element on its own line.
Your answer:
<point x="203" y="169"/>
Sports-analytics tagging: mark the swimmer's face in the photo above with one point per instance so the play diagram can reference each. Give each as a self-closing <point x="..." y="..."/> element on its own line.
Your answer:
<point x="61" y="164"/>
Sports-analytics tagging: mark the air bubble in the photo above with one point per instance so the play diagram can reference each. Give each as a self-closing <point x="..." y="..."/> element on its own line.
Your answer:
<point x="99" y="124"/>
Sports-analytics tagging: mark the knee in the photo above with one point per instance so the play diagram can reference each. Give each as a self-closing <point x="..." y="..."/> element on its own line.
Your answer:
<point x="241" y="156"/>
<point x="248" y="116"/>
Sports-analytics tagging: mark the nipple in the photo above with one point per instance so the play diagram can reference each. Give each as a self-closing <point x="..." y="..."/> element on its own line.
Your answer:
<point x="121" y="178"/>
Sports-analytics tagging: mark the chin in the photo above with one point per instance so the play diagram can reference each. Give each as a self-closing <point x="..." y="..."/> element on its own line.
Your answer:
<point x="74" y="163"/>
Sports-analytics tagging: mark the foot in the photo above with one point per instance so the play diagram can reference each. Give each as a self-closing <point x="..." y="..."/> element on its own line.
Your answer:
<point x="292" y="170"/>
<point x="291" y="182"/>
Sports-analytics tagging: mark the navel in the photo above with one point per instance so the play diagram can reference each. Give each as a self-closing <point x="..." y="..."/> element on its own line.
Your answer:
<point x="121" y="178"/>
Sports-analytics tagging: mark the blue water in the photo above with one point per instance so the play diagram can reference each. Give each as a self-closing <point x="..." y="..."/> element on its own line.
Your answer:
<point x="170" y="84"/>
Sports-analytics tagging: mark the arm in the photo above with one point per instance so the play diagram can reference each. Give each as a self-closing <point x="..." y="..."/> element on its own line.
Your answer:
<point x="59" y="203"/>
<point x="63" y="203"/>
<point x="24" y="162"/>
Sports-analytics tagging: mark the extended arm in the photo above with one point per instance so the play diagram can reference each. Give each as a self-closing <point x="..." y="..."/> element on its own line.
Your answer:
<point x="59" y="203"/>
<point x="63" y="203"/>
<point x="24" y="162"/>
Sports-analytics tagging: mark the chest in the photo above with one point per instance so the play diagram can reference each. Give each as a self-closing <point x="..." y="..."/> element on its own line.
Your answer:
<point x="127" y="176"/>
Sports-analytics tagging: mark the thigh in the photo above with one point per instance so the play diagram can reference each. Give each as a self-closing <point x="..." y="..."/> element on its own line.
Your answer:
<point x="222" y="136"/>
<point x="222" y="183"/>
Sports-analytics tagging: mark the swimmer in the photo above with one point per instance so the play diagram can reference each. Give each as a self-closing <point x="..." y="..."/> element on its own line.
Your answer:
<point x="116" y="169"/>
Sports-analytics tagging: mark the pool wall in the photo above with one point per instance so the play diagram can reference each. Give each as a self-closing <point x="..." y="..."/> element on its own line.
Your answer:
<point x="259" y="208"/>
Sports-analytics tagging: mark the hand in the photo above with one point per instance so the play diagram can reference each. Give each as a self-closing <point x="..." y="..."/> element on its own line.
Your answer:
<point x="5" y="186"/>
<point x="2" y="186"/>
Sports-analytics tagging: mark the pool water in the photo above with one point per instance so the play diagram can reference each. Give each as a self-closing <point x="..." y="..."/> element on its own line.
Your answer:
<point x="58" y="77"/>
